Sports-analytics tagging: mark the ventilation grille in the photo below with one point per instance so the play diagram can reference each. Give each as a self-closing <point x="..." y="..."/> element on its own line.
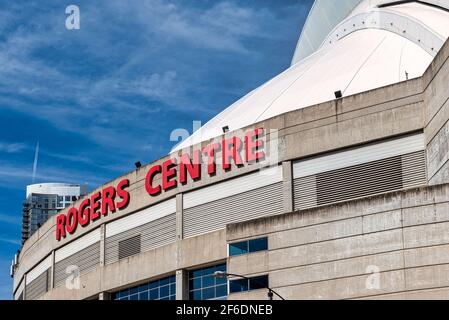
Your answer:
<point x="129" y="247"/>
<point x="80" y="263"/>
<point x="38" y="286"/>
<point x="249" y="205"/>
<point x="152" y="235"/>
<point x="361" y="180"/>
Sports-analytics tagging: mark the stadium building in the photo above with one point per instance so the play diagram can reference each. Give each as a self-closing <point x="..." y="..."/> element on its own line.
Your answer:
<point x="330" y="181"/>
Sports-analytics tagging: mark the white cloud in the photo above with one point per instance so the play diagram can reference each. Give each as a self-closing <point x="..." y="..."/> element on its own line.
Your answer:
<point x="11" y="241"/>
<point x="149" y="51"/>
<point x="9" y="147"/>
<point x="18" y="176"/>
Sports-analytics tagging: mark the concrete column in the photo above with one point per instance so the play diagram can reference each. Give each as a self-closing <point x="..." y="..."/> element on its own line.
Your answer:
<point x="104" y="296"/>
<point x="52" y="271"/>
<point x="287" y="186"/>
<point x="102" y="241"/>
<point x="179" y="217"/>
<point x="182" y="285"/>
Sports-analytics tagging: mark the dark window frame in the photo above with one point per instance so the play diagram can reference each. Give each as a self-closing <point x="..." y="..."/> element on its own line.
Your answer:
<point x="233" y="248"/>
<point x="250" y="284"/>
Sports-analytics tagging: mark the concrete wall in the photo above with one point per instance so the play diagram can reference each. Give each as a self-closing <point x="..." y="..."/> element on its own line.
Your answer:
<point x="154" y="264"/>
<point x="436" y="95"/>
<point x="332" y="252"/>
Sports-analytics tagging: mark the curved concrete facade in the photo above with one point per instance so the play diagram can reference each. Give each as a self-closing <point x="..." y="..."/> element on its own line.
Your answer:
<point x="322" y="243"/>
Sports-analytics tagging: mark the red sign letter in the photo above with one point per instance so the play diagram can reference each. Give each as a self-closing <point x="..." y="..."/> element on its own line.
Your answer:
<point x="193" y="169"/>
<point x="211" y="150"/>
<point x="107" y="200"/>
<point x="169" y="175"/>
<point x="231" y="150"/>
<point x="95" y="205"/>
<point x="253" y="144"/>
<point x="122" y="193"/>
<point x="152" y="191"/>
<point x="72" y="220"/>
<point x="60" y="226"/>
<point x="84" y="213"/>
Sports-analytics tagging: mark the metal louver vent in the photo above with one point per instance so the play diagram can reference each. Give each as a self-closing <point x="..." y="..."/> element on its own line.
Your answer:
<point x="358" y="181"/>
<point x="154" y="234"/>
<point x="80" y="263"/>
<point x="362" y="180"/>
<point x="215" y="215"/>
<point x="37" y="287"/>
<point x="129" y="247"/>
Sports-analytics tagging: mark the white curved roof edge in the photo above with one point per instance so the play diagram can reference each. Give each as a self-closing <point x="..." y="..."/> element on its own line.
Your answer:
<point x="369" y="4"/>
<point x="316" y="29"/>
<point x="428" y="39"/>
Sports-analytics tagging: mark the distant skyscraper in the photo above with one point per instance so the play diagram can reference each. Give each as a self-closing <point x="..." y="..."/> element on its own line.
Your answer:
<point x="44" y="200"/>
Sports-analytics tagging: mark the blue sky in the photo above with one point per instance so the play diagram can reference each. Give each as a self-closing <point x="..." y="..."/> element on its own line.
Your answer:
<point x="101" y="98"/>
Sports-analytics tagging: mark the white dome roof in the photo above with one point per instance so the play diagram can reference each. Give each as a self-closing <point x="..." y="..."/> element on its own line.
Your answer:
<point x="375" y="45"/>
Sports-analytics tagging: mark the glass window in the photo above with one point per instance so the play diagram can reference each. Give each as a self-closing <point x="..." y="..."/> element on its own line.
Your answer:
<point x="208" y="293"/>
<point x="163" y="289"/>
<point x="123" y="293"/>
<point x="143" y="295"/>
<point x="204" y="286"/>
<point x="133" y="290"/>
<point x="154" y="294"/>
<point x="164" y="281"/>
<point x="243" y="285"/>
<point x="195" y="295"/>
<point x="143" y="287"/>
<point x="249" y="246"/>
<point x="236" y="249"/>
<point x="239" y="285"/>
<point x="208" y="281"/>
<point x="258" y="283"/>
<point x="67" y="198"/>
<point x="258" y="245"/>
<point x="221" y="291"/>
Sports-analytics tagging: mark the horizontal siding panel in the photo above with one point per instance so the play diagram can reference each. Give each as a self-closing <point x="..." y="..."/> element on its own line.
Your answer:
<point x="86" y="260"/>
<point x="360" y="155"/>
<point x="152" y="235"/>
<point x="233" y="187"/>
<point x="19" y="291"/>
<point x="38" y="287"/>
<point x="215" y="215"/>
<point x="414" y="169"/>
<point x="135" y="220"/>
<point x="78" y="245"/>
<point x="129" y="247"/>
<point x="38" y="270"/>
<point x="368" y="179"/>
